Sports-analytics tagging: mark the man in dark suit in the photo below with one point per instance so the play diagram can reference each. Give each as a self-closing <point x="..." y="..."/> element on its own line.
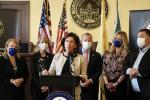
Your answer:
<point x="93" y="60"/>
<point x="138" y="68"/>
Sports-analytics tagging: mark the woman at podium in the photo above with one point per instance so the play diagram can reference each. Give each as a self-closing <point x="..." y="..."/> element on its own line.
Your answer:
<point x="70" y="62"/>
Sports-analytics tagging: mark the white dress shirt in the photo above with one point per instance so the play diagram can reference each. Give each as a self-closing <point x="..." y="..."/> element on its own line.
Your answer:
<point x="134" y="82"/>
<point x="84" y="53"/>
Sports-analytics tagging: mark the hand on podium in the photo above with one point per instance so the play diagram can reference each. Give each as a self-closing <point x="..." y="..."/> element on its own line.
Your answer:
<point x="44" y="88"/>
<point x="45" y="72"/>
<point x="82" y="79"/>
<point x="86" y="83"/>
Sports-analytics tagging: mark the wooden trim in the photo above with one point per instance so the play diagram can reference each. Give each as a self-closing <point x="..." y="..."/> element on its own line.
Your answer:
<point x="24" y="8"/>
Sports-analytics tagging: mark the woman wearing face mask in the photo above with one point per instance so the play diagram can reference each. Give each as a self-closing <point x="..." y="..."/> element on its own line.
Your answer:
<point x="13" y="73"/>
<point x="70" y="62"/>
<point x="41" y="62"/>
<point x="113" y="63"/>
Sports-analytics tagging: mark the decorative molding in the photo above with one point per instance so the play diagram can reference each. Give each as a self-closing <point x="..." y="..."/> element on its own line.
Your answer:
<point x="19" y="11"/>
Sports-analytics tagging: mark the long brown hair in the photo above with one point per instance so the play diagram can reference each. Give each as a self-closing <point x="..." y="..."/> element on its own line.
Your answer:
<point x="124" y="40"/>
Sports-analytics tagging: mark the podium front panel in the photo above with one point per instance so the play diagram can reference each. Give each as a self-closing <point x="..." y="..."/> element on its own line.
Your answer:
<point x="60" y="81"/>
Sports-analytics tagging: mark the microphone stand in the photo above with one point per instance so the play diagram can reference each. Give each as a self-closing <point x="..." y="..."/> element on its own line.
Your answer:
<point x="72" y="69"/>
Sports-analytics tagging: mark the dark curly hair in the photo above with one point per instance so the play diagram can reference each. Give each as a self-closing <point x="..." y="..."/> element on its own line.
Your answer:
<point x="76" y="39"/>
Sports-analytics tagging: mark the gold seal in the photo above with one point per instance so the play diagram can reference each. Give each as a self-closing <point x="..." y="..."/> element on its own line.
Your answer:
<point x="87" y="13"/>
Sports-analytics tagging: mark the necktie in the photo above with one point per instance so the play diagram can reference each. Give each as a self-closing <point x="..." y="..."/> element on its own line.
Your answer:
<point x="86" y="57"/>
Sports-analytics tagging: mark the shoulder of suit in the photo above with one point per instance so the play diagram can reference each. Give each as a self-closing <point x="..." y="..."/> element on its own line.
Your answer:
<point x="2" y="59"/>
<point x="95" y="52"/>
<point x="59" y="55"/>
<point x="79" y="55"/>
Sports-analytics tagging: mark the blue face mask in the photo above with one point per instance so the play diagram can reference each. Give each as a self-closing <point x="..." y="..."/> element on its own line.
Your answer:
<point x="117" y="43"/>
<point x="12" y="51"/>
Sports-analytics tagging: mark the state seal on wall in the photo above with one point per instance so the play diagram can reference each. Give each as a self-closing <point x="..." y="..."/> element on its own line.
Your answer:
<point x="87" y="13"/>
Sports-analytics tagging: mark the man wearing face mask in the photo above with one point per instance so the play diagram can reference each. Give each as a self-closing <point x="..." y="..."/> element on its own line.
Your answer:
<point x="138" y="68"/>
<point x="93" y="60"/>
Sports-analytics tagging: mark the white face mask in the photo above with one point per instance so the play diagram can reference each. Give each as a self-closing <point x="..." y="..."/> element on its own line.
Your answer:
<point x="86" y="45"/>
<point x="43" y="46"/>
<point x="141" y="42"/>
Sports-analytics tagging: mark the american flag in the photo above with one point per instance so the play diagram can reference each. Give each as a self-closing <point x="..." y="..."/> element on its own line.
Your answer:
<point x="45" y="24"/>
<point x="62" y="30"/>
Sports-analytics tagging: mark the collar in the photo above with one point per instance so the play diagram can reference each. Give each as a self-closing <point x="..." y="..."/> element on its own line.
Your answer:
<point x="83" y="50"/>
<point x="144" y="49"/>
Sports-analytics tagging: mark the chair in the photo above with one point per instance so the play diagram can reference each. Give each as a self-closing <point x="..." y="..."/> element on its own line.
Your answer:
<point x="25" y="47"/>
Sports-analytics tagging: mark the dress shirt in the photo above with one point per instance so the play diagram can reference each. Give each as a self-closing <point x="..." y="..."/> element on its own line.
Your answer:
<point x="88" y="58"/>
<point x="84" y="53"/>
<point x="134" y="82"/>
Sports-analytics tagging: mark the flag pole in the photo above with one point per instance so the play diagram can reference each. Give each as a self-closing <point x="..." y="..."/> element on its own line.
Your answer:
<point x="62" y="30"/>
<point x="118" y="26"/>
<point x="103" y="46"/>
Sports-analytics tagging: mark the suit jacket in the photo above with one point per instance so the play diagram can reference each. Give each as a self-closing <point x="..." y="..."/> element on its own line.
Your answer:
<point x="144" y="70"/>
<point x="94" y="70"/>
<point x="7" y="90"/>
<point x="77" y="64"/>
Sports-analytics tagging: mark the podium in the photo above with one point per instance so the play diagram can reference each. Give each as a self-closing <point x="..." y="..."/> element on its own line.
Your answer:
<point x="61" y="83"/>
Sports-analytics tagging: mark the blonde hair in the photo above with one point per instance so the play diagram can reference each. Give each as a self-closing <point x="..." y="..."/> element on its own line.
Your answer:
<point x="124" y="41"/>
<point x="42" y="39"/>
<point x="6" y="45"/>
<point x="87" y="34"/>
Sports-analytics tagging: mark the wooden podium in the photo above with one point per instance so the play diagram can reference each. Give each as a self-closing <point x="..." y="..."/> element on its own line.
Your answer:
<point x="61" y="83"/>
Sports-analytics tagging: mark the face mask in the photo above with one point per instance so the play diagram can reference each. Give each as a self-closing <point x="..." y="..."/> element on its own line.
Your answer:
<point x="117" y="43"/>
<point x="43" y="46"/>
<point x="141" y="42"/>
<point x="12" y="51"/>
<point x="86" y="45"/>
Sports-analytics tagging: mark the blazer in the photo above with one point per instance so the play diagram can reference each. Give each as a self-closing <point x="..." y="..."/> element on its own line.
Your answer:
<point x="144" y="70"/>
<point x="77" y="64"/>
<point x="35" y="89"/>
<point x="94" y="70"/>
<point x="7" y="90"/>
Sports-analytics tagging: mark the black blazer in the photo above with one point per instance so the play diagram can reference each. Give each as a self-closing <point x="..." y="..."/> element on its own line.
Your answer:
<point x="144" y="70"/>
<point x="7" y="90"/>
<point x="94" y="70"/>
<point x="35" y="89"/>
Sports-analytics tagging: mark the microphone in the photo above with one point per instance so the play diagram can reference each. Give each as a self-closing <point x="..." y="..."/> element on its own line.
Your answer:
<point x="71" y="64"/>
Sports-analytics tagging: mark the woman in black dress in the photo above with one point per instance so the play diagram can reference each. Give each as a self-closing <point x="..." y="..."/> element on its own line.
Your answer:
<point x="41" y="63"/>
<point x="13" y="73"/>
